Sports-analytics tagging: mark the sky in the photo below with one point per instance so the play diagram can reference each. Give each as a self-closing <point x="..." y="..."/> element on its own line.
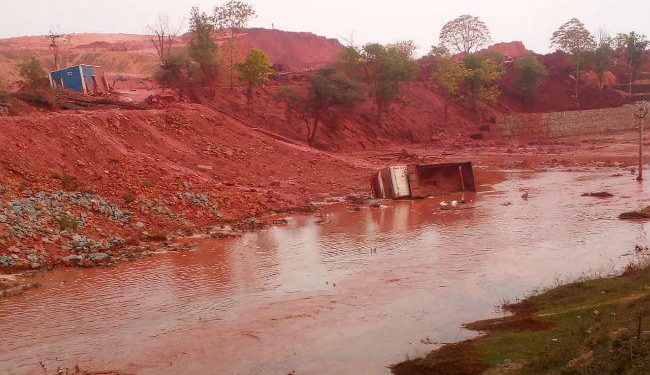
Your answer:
<point x="361" y="22"/>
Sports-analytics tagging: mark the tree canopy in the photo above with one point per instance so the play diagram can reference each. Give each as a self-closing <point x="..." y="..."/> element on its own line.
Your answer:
<point x="175" y="71"/>
<point x="633" y="46"/>
<point x="530" y="74"/>
<point x="202" y="48"/>
<point x="465" y="34"/>
<point x="385" y="67"/>
<point x="255" y="71"/>
<point x="574" y="39"/>
<point x="233" y="16"/>
<point x="32" y="73"/>
<point x="448" y="74"/>
<point x="328" y="88"/>
<point x="602" y="58"/>
<point x="483" y="71"/>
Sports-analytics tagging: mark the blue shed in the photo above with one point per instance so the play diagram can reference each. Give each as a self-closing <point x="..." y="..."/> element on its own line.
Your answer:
<point x="86" y="79"/>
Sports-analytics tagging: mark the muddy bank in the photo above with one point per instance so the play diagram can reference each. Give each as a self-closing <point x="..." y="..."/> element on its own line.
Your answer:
<point x="594" y="325"/>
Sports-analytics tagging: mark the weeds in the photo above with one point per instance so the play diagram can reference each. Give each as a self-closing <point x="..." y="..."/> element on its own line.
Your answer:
<point x="68" y="182"/>
<point x="128" y="197"/>
<point x="67" y="223"/>
<point x="158" y="236"/>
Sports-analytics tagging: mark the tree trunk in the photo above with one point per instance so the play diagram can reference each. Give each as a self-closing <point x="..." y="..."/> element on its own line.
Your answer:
<point x="577" y="81"/>
<point x="379" y="110"/>
<point x="640" y="177"/>
<point x="600" y="88"/>
<point x="313" y="128"/>
<point x="630" y="84"/>
<point x="446" y="111"/>
<point x="232" y="66"/>
<point x="308" y="130"/>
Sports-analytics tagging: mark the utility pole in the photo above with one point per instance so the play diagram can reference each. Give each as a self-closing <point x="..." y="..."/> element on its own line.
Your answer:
<point x="54" y="44"/>
<point x="640" y="113"/>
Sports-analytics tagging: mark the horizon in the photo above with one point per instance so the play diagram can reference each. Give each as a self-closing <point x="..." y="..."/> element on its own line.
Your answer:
<point x="531" y="24"/>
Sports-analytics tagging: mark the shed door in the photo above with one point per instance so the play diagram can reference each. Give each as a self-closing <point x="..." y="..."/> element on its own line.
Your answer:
<point x="400" y="180"/>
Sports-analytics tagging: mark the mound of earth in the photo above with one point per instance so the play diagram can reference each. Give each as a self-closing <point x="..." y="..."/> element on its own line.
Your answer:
<point x="86" y="187"/>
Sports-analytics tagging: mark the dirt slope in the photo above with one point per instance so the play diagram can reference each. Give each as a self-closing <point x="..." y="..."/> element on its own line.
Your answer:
<point x="86" y="182"/>
<point x="132" y="54"/>
<point x="295" y="50"/>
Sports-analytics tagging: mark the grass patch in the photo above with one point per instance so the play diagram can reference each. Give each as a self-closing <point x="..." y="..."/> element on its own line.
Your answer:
<point x="147" y="183"/>
<point x="68" y="182"/>
<point x="67" y="223"/>
<point x="599" y="326"/>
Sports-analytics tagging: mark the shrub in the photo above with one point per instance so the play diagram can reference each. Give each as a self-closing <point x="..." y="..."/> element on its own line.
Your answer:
<point x="68" y="182"/>
<point x="67" y="222"/>
<point x="158" y="235"/>
<point x="32" y="73"/>
<point x="128" y="197"/>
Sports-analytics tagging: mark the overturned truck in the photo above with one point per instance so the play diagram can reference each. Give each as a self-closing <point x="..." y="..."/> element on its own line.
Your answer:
<point x="422" y="180"/>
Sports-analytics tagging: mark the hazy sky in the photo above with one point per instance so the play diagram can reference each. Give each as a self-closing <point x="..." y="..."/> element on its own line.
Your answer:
<point x="365" y="21"/>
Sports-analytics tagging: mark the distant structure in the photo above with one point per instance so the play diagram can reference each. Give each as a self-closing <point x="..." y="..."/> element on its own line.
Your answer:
<point x="86" y="79"/>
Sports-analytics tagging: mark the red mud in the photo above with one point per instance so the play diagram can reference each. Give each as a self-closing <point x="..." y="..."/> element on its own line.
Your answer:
<point x="322" y="294"/>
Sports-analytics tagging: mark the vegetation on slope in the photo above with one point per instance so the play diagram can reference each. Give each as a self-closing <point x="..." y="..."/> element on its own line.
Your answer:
<point x="593" y="326"/>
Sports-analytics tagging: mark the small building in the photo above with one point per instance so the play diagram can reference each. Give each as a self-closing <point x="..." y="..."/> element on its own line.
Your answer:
<point x="86" y="79"/>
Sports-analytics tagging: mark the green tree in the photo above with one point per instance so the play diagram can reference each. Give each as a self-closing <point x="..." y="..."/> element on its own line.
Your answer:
<point x="484" y="70"/>
<point x="350" y="62"/>
<point x="32" y="73"/>
<point x="385" y="68"/>
<point x="255" y="72"/>
<point x="465" y="34"/>
<point x="232" y="16"/>
<point x="530" y="74"/>
<point x="328" y="88"/>
<point x="448" y="74"/>
<point x="602" y="59"/>
<point x="202" y="47"/>
<point x="575" y="40"/>
<point x="633" y="47"/>
<point x="175" y="71"/>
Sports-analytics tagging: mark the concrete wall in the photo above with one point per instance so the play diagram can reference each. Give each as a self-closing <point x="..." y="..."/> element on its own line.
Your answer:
<point x="563" y="124"/>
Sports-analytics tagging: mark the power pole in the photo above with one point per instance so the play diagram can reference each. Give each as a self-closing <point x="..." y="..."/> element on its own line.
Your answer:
<point x="54" y="44"/>
<point x="641" y="111"/>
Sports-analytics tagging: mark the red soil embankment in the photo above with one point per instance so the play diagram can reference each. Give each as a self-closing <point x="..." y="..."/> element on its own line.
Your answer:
<point x="137" y="174"/>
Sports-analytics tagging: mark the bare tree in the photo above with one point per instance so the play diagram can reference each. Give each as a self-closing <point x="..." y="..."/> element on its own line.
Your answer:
<point x="465" y="34"/>
<point x="163" y="35"/>
<point x="233" y="16"/>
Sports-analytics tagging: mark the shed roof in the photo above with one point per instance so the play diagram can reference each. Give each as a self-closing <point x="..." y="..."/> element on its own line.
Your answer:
<point x="74" y="66"/>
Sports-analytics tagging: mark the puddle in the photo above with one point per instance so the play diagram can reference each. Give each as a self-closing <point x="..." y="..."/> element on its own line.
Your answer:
<point x="348" y="292"/>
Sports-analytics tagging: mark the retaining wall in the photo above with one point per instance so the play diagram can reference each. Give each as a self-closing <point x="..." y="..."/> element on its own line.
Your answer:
<point x="563" y="124"/>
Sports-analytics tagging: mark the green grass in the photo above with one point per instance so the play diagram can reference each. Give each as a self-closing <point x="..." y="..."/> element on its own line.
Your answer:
<point x="586" y="327"/>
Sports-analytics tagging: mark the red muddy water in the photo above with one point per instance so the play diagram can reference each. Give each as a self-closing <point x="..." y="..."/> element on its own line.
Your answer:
<point x="349" y="292"/>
